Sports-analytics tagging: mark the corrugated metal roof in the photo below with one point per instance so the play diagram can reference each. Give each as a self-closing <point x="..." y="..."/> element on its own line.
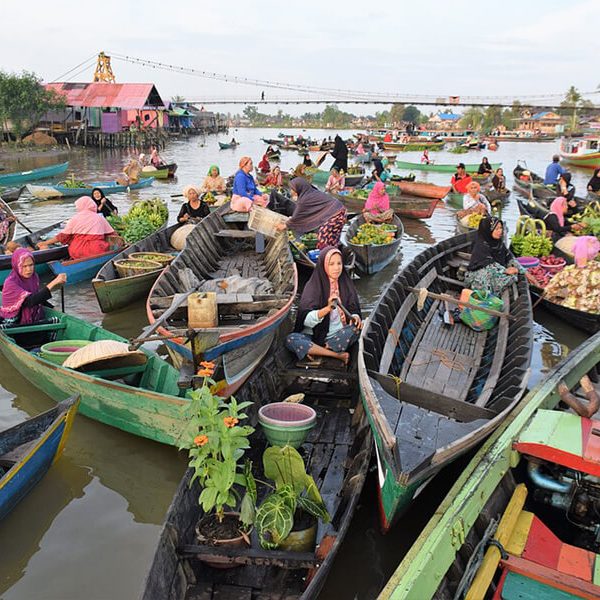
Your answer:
<point x="108" y="95"/>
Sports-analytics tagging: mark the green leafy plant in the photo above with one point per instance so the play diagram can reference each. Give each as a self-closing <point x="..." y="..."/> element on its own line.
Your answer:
<point x="216" y="443"/>
<point x="144" y="218"/>
<point x="293" y="489"/>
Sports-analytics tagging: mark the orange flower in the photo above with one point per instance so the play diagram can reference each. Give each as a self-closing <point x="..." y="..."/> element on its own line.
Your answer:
<point x="207" y="364"/>
<point x="201" y="440"/>
<point x="230" y="422"/>
<point x="204" y="372"/>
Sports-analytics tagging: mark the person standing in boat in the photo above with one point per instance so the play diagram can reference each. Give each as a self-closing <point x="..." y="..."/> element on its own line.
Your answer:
<point x="322" y="326"/>
<point x="377" y="207"/>
<point x="484" y="168"/>
<point x="340" y="153"/>
<point x="460" y="180"/>
<point x="553" y="171"/>
<point x="195" y="209"/>
<point x="492" y="267"/>
<point x="105" y="206"/>
<point x="245" y="192"/>
<point x="213" y="182"/>
<point x="315" y="210"/>
<point x="23" y="298"/>
<point x="499" y="180"/>
<point x="336" y="182"/>
<point x="593" y="184"/>
<point x="85" y="232"/>
<point x="425" y="160"/>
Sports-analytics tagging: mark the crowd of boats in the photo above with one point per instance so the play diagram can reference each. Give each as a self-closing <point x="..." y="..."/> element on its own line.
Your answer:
<point x="440" y="369"/>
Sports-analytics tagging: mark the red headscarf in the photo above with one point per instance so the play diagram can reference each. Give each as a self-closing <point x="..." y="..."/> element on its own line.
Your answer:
<point x="17" y="288"/>
<point x="264" y="165"/>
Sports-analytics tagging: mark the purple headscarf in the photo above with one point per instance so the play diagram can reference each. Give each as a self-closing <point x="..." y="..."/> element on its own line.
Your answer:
<point x="313" y="209"/>
<point x="17" y="288"/>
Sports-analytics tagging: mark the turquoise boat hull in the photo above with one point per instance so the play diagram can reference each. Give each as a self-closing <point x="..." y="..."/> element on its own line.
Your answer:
<point x="471" y="168"/>
<point x="82" y="269"/>
<point x="108" y="187"/>
<point x="41" y="173"/>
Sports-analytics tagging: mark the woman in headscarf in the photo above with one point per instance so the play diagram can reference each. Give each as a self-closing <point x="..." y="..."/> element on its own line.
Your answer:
<point x="492" y="267"/>
<point x="340" y="153"/>
<point x="213" y="182"/>
<point x="315" y="210"/>
<point x="556" y="220"/>
<point x="565" y="187"/>
<point x="105" y="206"/>
<point x="336" y="182"/>
<point x="586" y="248"/>
<point x="499" y="180"/>
<point x="131" y="171"/>
<point x="274" y="178"/>
<point x="306" y="161"/>
<point x="5" y="228"/>
<point x="594" y="183"/>
<point x="425" y="157"/>
<point x="474" y="202"/>
<point x="263" y="165"/>
<point x="195" y="209"/>
<point x="484" y="168"/>
<point x="23" y="299"/>
<point x="85" y="232"/>
<point x="322" y="327"/>
<point x="245" y="192"/>
<point x="377" y="207"/>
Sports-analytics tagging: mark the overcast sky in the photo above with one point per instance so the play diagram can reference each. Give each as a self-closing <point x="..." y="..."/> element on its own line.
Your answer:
<point x="425" y="47"/>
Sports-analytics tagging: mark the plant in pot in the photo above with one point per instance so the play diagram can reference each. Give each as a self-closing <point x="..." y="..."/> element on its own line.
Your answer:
<point x="286" y="518"/>
<point x="216" y="443"/>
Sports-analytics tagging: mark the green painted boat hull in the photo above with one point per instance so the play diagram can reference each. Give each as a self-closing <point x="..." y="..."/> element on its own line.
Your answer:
<point x="158" y="174"/>
<point x="454" y="200"/>
<point x="591" y="162"/>
<point x="471" y="168"/>
<point x="152" y="409"/>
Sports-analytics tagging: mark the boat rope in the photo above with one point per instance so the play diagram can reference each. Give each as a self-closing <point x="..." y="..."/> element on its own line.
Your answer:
<point x="444" y="358"/>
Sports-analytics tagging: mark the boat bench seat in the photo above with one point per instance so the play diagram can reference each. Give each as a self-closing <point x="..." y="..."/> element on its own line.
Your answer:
<point x="117" y="371"/>
<point x="236" y="233"/>
<point x="235" y="217"/>
<point x="19" y="329"/>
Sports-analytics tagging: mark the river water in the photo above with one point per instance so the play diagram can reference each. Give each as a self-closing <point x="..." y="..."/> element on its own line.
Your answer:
<point x="91" y="525"/>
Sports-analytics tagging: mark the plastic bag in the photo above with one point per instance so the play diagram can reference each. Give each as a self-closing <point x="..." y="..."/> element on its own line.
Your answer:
<point x="477" y="319"/>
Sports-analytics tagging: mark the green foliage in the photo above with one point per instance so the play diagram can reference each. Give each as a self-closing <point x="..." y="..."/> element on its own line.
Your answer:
<point x="472" y="119"/>
<point x="144" y="218"/>
<point x="23" y="100"/>
<point x="411" y="114"/>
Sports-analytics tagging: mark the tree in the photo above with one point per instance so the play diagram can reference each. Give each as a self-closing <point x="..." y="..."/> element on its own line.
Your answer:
<point x="23" y="100"/>
<point x="411" y="114"/>
<point x="492" y="117"/>
<point x="396" y="113"/>
<point x="472" y="118"/>
<point x="177" y="99"/>
<point x="572" y="102"/>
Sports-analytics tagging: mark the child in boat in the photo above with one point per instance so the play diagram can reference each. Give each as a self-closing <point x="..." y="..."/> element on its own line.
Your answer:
<point x="322" y="327"/>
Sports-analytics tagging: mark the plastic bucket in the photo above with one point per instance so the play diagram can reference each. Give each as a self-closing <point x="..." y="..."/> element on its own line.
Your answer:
<point x="57" y="352"/>
<point x="286" y="423"/>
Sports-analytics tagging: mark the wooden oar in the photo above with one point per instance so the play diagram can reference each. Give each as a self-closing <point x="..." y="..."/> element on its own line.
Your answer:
<point x="22" y="224"/>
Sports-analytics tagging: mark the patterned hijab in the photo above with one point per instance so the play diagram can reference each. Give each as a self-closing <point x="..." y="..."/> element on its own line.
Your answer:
<point x="17" y="288"/>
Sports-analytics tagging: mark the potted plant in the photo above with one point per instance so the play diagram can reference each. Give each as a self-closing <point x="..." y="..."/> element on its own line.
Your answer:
<point x="294" y="500"/>
<point x="216" y="443"/>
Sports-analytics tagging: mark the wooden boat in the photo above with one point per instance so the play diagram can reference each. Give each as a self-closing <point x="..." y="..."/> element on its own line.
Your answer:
<point x="42" y="173"/>
<point x="143" y="399"/>
<point x="482" y="179"/>
<point x="114" y="292"/>
<point x="10" y="195"/>
<point x="41" y="258"/>
<point x="370" y="258"/>
<point x="422" y="189"/>
<point x="28" y="449"/>
<point x="434" y="391"/>
<point x="223" y="146"/>
<point x="533" y="184"/>
<point x="172" y="168"/>
<point x="320" y="177"/>
<point x="496" y="196"/>
<point x="471" y="168"/>
<point x="337" y="454"/>
<point x="162" y="173"/>
<point x="272" y="142"/>
<point x="404" y="205"/>
<point x="218" y="248"/>
<point x="10" y="232"/>
<point x="581" y="151"/>
<point x="520" y="515"/>
<point x="416" y="145"/>
<point x="108" y="187"/>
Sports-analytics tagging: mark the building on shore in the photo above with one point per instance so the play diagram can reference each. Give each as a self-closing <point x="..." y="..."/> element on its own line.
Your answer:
<point x="444" y="121"/>
<point x="545" y="122"/>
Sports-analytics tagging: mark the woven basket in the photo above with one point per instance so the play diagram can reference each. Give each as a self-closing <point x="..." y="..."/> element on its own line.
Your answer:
<point x="161" y="257"/>
<point x="129" y="267"/>
<point x="264" y="221"/>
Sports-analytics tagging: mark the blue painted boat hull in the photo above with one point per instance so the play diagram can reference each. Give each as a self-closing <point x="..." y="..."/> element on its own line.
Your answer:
<point x="41" y="173"/>
<point x="52" y="191"/>
<point x="82" y="269"/>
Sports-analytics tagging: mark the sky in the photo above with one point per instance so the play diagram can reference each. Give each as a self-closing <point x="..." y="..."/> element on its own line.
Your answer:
<point x="423" y="47"/>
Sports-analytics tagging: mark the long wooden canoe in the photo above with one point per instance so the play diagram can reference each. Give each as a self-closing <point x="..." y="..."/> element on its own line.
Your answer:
<point x="224" y="146"/>
<point x="371" y="258"/>
<point x="416" y="145"/>
<point x="144" y="400"/>
<point x="433" y="391"/>
<point x="28" y="449"/>
<point x="41" y="173"/>
<point x="162" y="173"/>
<point x="81" y="269"/>
<point x="422" y="189"/>
<point x="440" y="168"/>
<point x="502" y="501"/>
<point x="320" y="177"/>
<point x="108" y="187"/>
<point x="219" y="247"/>
<point x="402" y="204"/>
<point x="114" y="292"/>
<point x="337" y="453"/>
<point x="534" y="184"/>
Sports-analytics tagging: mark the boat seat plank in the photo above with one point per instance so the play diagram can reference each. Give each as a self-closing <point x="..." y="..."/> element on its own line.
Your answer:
<point x="235" y="217"/>
<point x="19" y="329"/>
<point x="16" y="454"/>
<point x="117" y="371"/>
<point x="236" y="233"/>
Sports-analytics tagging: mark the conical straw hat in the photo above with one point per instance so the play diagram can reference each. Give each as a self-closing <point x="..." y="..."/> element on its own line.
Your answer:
<point x="105" y="354"/>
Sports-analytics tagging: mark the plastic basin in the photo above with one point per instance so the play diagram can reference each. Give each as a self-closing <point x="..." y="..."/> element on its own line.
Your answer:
<point x="554" y="268"/>
<point x="286" y="424"/>
<point x="57" y="352"/>
<point x="528" y="262"/>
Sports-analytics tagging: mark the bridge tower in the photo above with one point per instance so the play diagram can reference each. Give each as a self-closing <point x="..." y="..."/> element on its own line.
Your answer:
<point x="103" y="70"/>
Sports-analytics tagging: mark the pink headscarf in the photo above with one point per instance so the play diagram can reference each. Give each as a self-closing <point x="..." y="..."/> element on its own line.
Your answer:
<point x="559" y="207"/>
<point x="378" y="202"/>
<point x="86" y="220"/>
<point x="585" y="248"/>
<point x="17" y="288"/>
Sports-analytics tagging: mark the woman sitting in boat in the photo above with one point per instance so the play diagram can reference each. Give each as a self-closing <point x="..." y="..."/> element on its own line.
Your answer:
<point x="105" y="206"/>
<point x="556" y="220"/>
<point x="565" y="188"/>
<point x="155" y="160"/>
<point x="245" y="192"/>
<point x="360" y="150"/>
<point x="336" y="182"/>
<point x="460" y="180"/>
<point x="315" y="210"/>
<point x="586" y="248"/>
<point x="23" y="299"/>
<point x="492" y="267"/>
<point x="594" y="183"/>
<point x="377" y="207"/>
<point x="307" y="162"/>
<point x="322" y="327"/>
<point x="274" y="178"/>
<point x="213" y="182"/>
<point x="474" y="201"/>
<point x="85" y="233"/>
<point x="195" y="209"/>
<point x="484" y="168"/>
<point x="5" y="223"/>
<point x="263" y="165"/>
<point x="131" y="171"/>
<point x="425" y="157"/>
<point x="499" y="180"/>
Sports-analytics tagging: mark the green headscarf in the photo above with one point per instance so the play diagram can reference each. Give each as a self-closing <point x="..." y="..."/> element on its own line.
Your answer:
<point x="213" y="167"/>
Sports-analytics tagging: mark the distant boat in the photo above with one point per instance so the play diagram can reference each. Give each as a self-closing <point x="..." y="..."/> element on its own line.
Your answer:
<point x="440" y="168"/>
<point x="223" y="146"/>
<point x="581" y="152"/>
<point x="41" y="173"/>
<point x="107" y="187"/>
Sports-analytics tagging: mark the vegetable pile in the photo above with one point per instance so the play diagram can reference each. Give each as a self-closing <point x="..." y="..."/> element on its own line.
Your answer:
<point x="576" y="288"/>
<point x="144" y="218"/>
<point x="74" y="183"/>
<point x="309" y="240"/>
<point x="473" y="220"/>
<point x="370" y="234"/>
<point x="354" y="170"/>
<point x="209" y="198"/>
<point x="590" y="219"/>
<point x="528" y="241"/>
<point x="540" y="275"/>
